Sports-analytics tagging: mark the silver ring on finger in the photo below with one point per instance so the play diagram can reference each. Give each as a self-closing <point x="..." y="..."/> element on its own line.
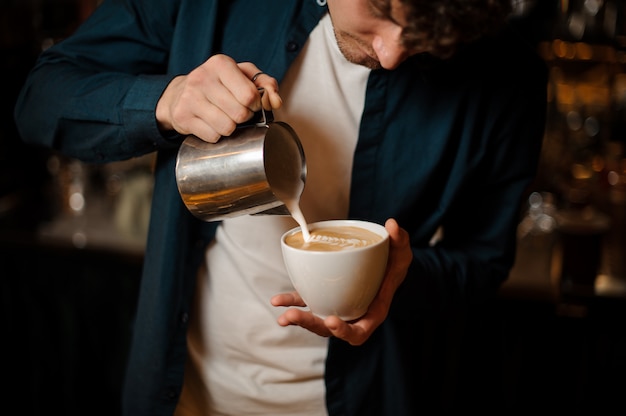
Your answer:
<point x="255" y="76"/>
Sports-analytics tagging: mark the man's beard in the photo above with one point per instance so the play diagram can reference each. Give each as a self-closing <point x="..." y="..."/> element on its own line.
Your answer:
<point x="356" y="58"/>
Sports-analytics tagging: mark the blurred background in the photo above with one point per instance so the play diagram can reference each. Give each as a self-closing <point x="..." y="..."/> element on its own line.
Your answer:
<point x="72" y="239"/>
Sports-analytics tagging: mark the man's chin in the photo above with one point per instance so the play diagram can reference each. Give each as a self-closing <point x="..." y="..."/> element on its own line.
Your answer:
<point x="370" y="63"/>
<point x="365" y="61"/>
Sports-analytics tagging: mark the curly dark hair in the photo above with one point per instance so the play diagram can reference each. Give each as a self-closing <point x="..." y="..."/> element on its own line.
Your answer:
<point x="440" y="26"/>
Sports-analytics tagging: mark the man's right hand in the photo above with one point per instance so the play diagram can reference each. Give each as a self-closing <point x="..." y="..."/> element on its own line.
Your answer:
<point x="215" y="97"/>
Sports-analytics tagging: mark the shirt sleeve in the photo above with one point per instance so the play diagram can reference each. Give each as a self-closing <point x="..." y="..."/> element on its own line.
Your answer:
<point x="93" y="95"/>
<point x="478" y="246"/>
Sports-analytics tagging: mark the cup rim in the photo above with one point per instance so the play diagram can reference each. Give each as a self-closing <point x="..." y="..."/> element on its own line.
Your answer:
<point x="369" y="225"/>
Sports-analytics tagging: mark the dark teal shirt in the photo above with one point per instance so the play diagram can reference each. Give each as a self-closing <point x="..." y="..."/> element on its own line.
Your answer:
<point x="452" y="143"/>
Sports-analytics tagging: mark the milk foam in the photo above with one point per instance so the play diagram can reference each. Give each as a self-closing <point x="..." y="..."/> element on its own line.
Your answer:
<point x="333" y="238"/>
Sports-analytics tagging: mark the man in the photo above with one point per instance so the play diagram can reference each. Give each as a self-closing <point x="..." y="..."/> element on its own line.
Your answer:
<point x="422" y="115"/>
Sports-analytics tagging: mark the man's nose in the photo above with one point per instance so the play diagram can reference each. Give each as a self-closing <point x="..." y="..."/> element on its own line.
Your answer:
<point x="389" y="50"/>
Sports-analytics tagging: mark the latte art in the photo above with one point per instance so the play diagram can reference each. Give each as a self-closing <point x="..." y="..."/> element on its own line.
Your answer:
<point x="334" y="239"/>
<point x="341" y="242"/>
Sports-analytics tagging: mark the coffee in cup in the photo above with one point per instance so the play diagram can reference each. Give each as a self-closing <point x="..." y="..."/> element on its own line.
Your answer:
<point x="333" y="238"/>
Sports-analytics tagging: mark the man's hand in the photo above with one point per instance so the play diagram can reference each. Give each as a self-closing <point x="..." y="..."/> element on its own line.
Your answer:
<point x="358" y="331"/>
<point x="212" y="99"/>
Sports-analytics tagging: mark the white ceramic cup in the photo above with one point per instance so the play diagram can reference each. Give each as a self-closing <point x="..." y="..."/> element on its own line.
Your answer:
<point x="341" y="283"/>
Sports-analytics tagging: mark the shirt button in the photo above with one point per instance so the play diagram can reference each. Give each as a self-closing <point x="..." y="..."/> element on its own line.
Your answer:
<point x="184" y="317"/>
<point x="292" y="46"/>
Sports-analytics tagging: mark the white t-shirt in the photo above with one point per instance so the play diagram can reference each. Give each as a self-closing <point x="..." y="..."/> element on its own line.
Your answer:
<point x="241" y="361"/>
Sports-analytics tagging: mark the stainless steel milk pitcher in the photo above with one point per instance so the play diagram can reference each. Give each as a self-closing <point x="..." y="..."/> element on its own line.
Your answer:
<point x="253" y="171"/>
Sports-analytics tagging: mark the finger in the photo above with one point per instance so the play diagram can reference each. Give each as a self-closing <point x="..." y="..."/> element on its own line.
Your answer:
<point x="236" y="101"/>
<point x="207" y="121"/>
<point x="226" y="85"/>
<point x="400" y="257"/>
<point x="196" y="115"/>
<point x="203" y="131"/>
<point x="394" y="230"/>
<point x="287" y="299"/>
<point x="271" y="98"/>
<point x="305" y="320"/>
<point x="255" y="76"/>
<point x="250" y="70"/>
<point x="353" y="333"/>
